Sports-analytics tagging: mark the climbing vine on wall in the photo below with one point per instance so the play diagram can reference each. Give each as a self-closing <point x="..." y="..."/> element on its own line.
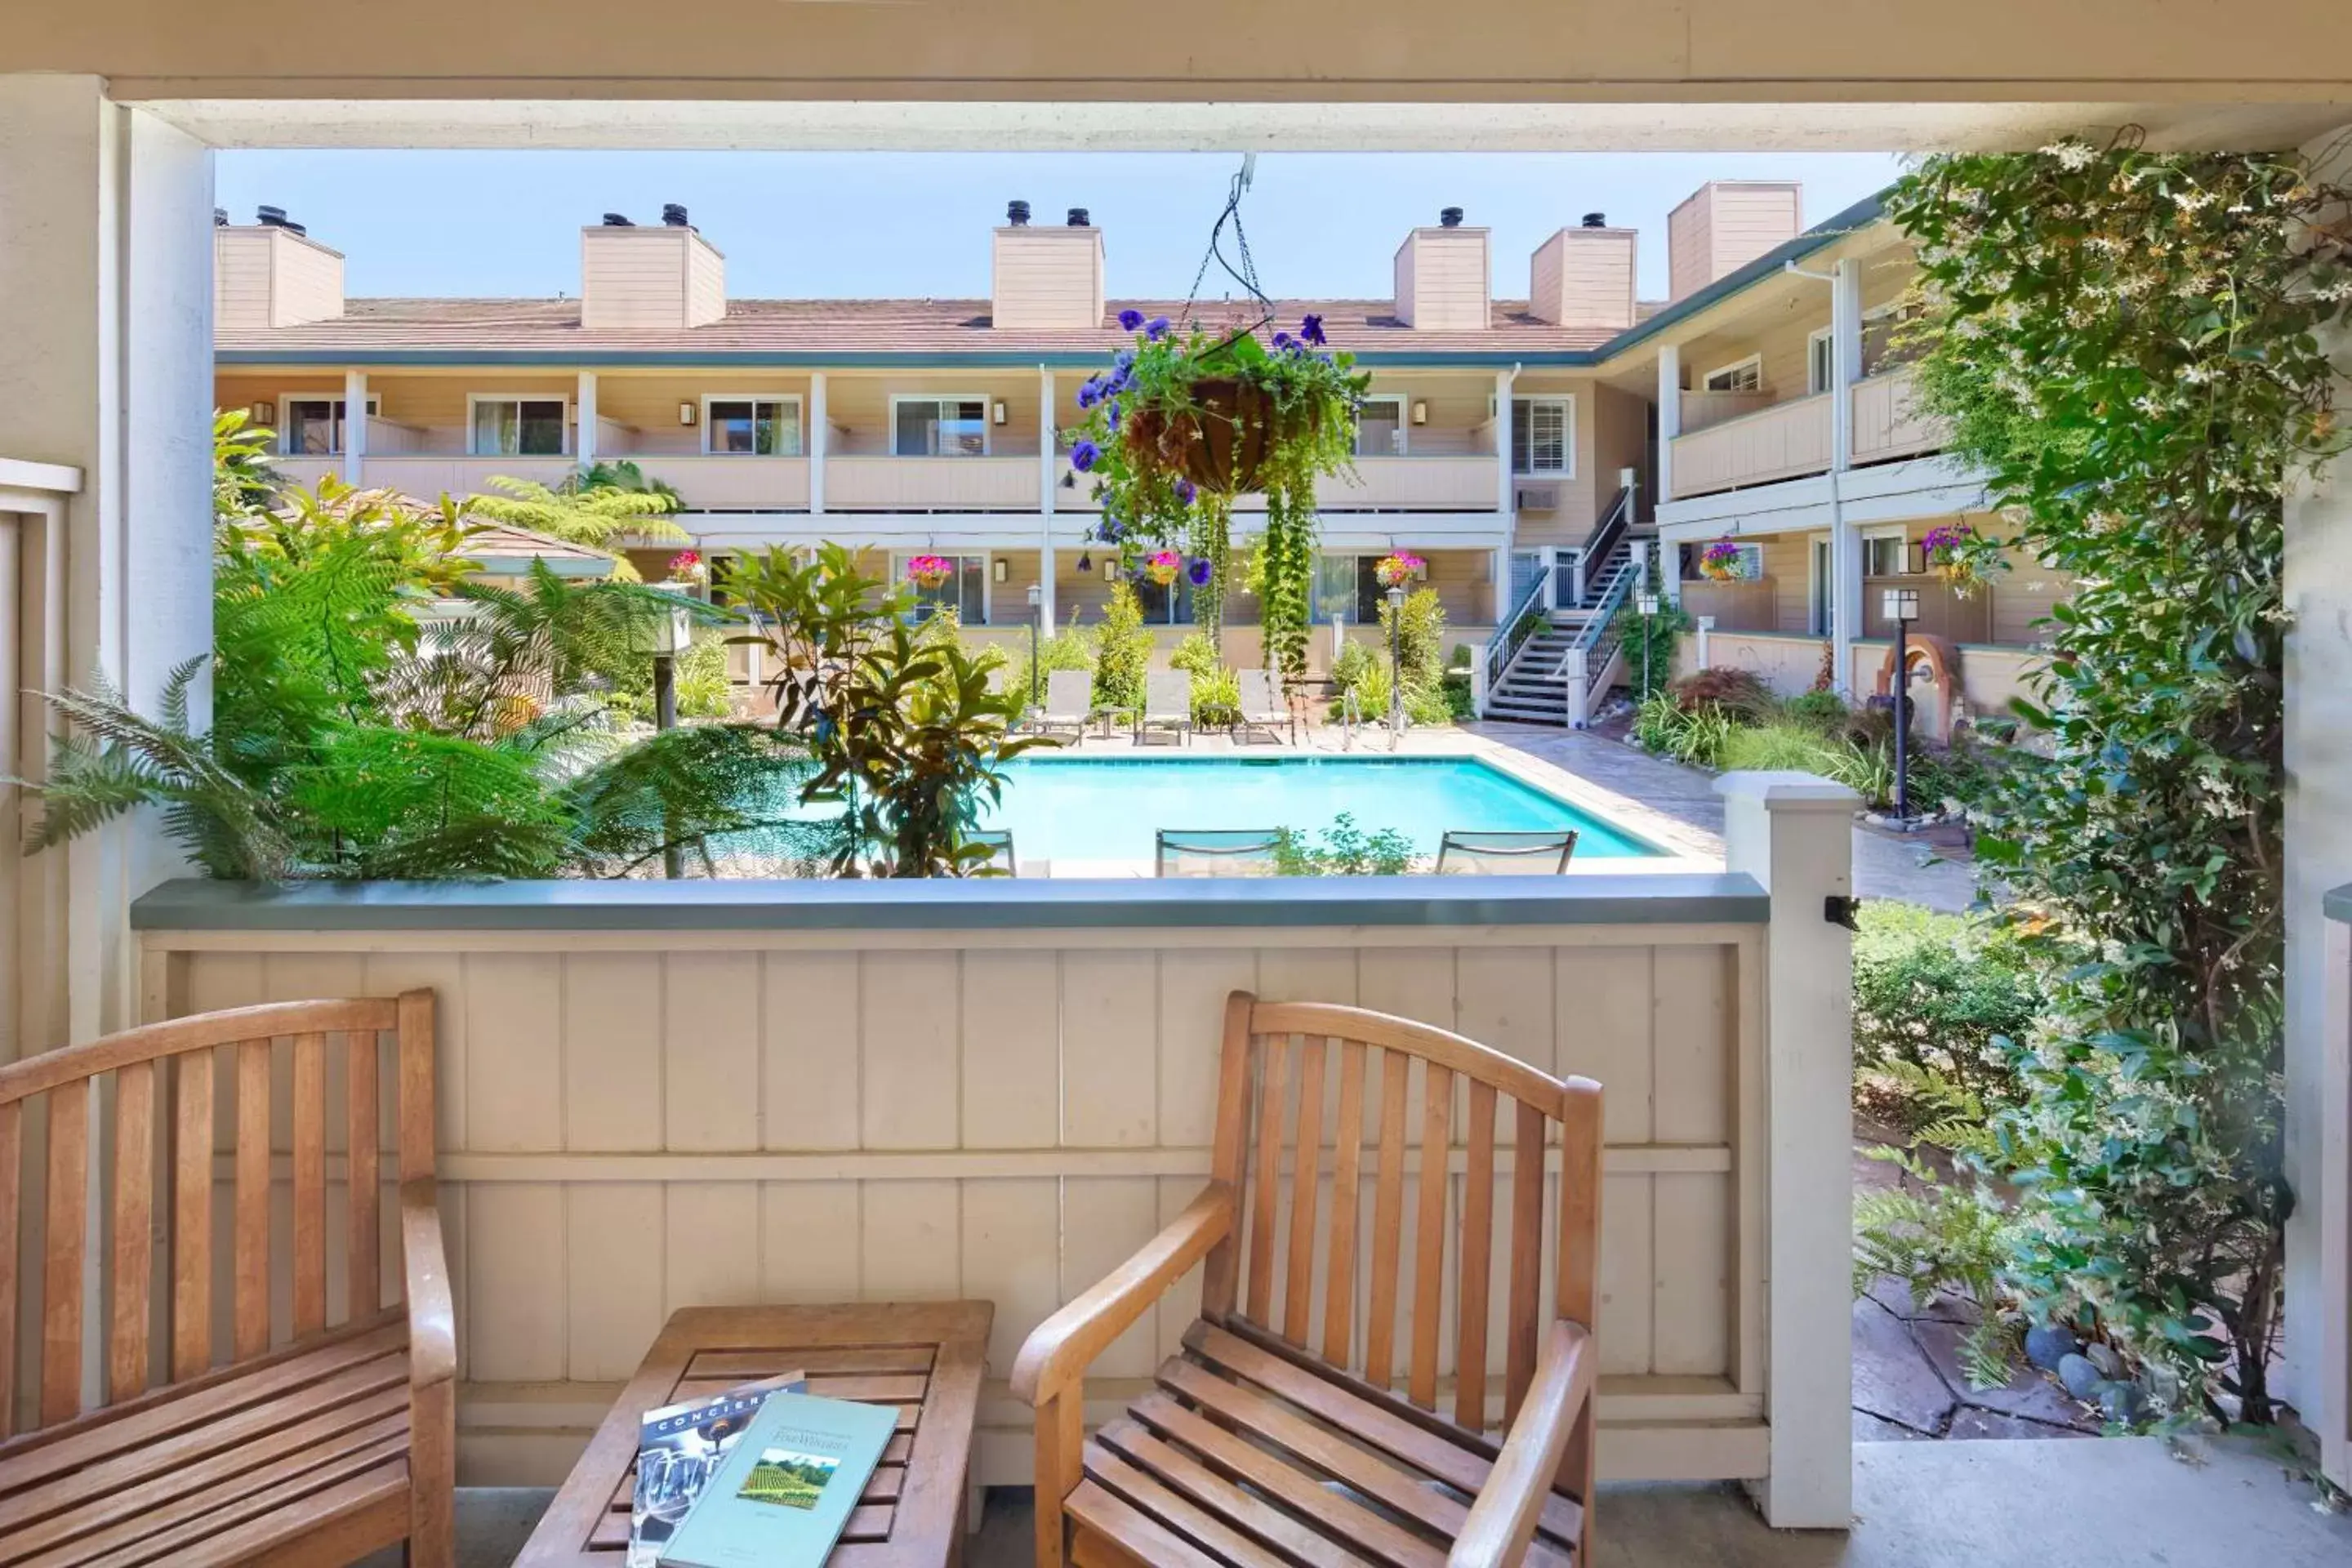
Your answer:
<point x="2133" y="346"/>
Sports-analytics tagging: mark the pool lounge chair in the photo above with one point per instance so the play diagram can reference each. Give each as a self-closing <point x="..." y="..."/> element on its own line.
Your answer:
<point x="1216" y="852"/>
<point x="1000" y="862"/>
<point x="1167" y="705"/>
<point x="1262" y="708"/>
<point x="1505" y="854"/>
<point x="1069" y="703"/>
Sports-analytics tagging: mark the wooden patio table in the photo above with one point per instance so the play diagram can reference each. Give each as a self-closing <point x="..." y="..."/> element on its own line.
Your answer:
<point x="923" y="1357"/>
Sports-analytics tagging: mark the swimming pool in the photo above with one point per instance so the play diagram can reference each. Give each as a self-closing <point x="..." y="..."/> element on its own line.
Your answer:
<point x="1094" y="808"/>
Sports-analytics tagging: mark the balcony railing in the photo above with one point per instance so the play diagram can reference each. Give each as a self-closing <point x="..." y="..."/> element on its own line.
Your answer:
<point x="930" y="484"/>
<point x="1886" y="424"/>
<point x="426" y="475"/>
<point x="1784" y="441"/>
<point x="733" y="482"/>
<point x="1453" y="483"/>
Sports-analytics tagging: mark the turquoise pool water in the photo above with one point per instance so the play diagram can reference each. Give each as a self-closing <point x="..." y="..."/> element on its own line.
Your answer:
<point x="1108" y="808"/>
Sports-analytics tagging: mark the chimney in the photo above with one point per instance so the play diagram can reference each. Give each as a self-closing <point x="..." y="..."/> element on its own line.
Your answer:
<point x="1046" y="279"/>
<point x="1441" y="277"/>
<point x="1583" y="277"/>
<point x="270" y="273"/>
<point x="649" y="279"/>
<point x="1724" y="226"/>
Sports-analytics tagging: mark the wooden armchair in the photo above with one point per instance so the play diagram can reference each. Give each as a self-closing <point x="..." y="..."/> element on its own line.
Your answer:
<point x="315" y="1435"/>
<point x="1278" y="1436"/>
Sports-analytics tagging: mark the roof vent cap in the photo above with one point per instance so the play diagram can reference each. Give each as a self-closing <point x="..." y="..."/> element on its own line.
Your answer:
<point x="618" y="220"/>
<point x="275" y="218"/>
<point x="220" y="217"/>
<point x="1451" y="218"/>
<point x="1017" y="214"/>
<point x="1077" y="217"/>
<point x="674" y="214"/>
<point x="1596" y="220"/>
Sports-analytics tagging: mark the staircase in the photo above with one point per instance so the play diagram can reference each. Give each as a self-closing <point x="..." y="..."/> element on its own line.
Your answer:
<point x="1552" y="666"/>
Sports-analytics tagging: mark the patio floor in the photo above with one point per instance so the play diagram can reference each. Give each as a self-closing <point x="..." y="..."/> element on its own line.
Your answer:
<point x="2101" y="1504"/>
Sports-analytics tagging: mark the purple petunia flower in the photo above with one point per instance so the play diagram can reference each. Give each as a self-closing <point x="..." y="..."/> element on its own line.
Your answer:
<point x="1114" y="413"/>
<point x="1198" y="572"/>
<point x="1185" y="491"/>
<point x="1282" y="340"/>
<point x="1310" y="330"/>
<point x="1089" y="393"/>
<point x="1156" y="328"/>
<point x="1083" y="456"/>
<point x="1130" y="319"/>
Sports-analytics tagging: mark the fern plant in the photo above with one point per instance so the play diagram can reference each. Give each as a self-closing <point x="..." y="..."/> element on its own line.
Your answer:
<point x="599" y="516"/>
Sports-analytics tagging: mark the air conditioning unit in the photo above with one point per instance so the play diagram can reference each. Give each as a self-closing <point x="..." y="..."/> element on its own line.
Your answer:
<point x="1536" y="497"/>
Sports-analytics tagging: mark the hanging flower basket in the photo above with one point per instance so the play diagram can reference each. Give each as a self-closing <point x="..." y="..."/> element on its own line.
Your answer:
<point x="687" y="566"/>
<point x="1953" y="552"/>
<point x="1723" y="562"/>
<point x="930" y="571"/>
<point x="1395" y="570"/>
<point x="1162" y="566"/>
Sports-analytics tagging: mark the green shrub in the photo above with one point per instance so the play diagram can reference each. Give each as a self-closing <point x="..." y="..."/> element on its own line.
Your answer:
<point x="1661" y="633"/>
<point x="1343" y="849"/>
<point x="1196" y="654"/>
<point x="1948" y="996"/>
<point x="1069" y="648"/>
<point x="1735" y="692"/>
<point x="1824" y="710"/>
<point x="1693" y="736"/>
<point x="1216" y="698"/>
<point x="1355" y="662"/>
<point x="1122" y="652"/>
<point x="1939" y="1238"/>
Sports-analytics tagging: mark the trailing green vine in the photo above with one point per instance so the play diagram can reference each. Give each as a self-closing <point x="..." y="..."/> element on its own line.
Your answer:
<point x="2129" y="344"/>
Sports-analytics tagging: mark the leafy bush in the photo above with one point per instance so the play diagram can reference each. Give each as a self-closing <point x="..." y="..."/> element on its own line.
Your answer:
<point x="1947" y="1237"/>
<point x="1123" y="653"/>
<point x="1693" y="736"/>
<point x="1343" y="849"/>
<point x="1949" y="995"/>
<point x="1357" y="661"/>
<point x="1734" y="692"/>
<point x="1824" y="710"/>
<point x="1661" y="634"/>
<point x="1196" y="654"/>
<point x="1069" y="648"/>
<point x="1216" y="698"/>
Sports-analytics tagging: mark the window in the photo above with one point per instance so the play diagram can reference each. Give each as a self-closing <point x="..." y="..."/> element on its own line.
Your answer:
<point x="1348" y="589"/>
<point x="1821" y="363"/>
<point x="313" y="426"/>
<point x="1380" y="427"/>
<point x="939" y="427"/>
<point x="1885" y="555"/>
<point x="1747" y="375"/>
<point x="1542" y="436"/>
<point x="1169" y="605"/>
<point x="523" y="427"/>
<point x="965" y="592"/>
<point x="752" y="426"/>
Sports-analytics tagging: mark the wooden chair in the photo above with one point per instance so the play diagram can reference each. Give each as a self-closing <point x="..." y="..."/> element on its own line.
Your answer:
<point x="310" y="1441"/>
<point x="1278" y="1436"/>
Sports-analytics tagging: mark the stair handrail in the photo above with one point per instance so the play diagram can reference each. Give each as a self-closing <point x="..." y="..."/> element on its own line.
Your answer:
<point x="1576" y="666"/>
<point x="1518" y="627"/>
<point x="1609" y="532"/>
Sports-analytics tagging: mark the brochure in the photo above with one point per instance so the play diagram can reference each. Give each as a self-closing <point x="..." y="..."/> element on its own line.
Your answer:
<point x="782" y="1495"/>
<point x="679" y="1445"/>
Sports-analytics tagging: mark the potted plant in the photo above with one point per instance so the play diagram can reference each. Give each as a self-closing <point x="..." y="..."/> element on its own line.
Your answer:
<point x="1723" y="562"/>
<point x="1955" y="551"/>
<point x="1185" y="421"/>
<point x="1398" y="568"/>
<point x="1162" y="565"/>
<point x="687" y="566"/>
<point x="929" y="570"/>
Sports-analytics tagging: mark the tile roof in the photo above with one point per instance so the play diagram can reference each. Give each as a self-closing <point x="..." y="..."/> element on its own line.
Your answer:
<point x="911" y="327"/>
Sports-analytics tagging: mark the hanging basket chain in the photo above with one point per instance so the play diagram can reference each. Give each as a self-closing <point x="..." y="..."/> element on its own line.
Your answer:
<point x="1245" y="272"/>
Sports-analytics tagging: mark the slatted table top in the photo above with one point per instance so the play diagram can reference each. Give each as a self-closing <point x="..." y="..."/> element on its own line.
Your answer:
<point x="926" y="1358"/>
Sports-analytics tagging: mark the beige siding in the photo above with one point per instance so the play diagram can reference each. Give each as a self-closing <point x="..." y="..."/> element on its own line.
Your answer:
<point x="1886" y="425"/>
<point x="706" y="282"/>
<point x="309" y="285"/>
<point x="1047" y="279"/>
<point x="858" y="407"/>
<point x="854" y="1116"/>
<point x="637" y="279"/>
<point x="1584" y="277"/>
<point x="1788" y="664"/>
<point x="1442" y="279"/>
<point x="240" y="280"/>
<point x="646" y="406"/>
<point x="1782" y="441"/>
<point x="266" y="277"/>
<point x="1725" y="224"/>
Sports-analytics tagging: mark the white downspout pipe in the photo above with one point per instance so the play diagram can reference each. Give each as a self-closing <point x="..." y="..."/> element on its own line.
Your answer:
<point x="1047" y="445"/>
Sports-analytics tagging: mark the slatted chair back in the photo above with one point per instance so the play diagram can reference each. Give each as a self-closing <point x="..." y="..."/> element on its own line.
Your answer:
<point x="1534" y="854"/>
<point x="1069" y="697"/>
<point x="1315" y="1100"/>
<point x="1214" y="852"/>
<point x="158" y="1106"/>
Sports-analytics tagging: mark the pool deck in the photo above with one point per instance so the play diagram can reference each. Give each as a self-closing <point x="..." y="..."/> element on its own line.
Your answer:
<point x="1674" y="807"/>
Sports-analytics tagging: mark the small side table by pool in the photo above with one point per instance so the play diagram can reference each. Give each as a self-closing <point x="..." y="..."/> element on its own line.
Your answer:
<point x="923" y="1357"/>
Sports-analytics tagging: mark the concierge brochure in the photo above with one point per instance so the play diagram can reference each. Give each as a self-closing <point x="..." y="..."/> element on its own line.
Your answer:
<point x="679" y="1445"/>
<point x="782" y="1496"/>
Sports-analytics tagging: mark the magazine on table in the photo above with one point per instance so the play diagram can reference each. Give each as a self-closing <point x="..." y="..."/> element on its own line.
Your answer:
<point x="678" y="1449"/>
<point x="782" y="1496"/>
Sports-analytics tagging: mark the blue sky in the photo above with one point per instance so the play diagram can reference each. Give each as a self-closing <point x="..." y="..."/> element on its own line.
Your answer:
<point x="908" y="225"/>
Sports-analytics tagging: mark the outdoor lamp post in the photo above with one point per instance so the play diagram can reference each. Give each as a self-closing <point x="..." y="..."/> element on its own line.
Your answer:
<point x="1901" y="606"/>
<point x="673" y="633"/>
<point x="1037" y="605"/>
<point x="1647" y="602"/>
<point x="1396" y="660"/>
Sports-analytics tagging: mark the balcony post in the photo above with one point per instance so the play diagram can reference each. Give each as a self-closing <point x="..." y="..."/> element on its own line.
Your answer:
<point x="817" y="428"/>
<point x="1507" y="500"/>
<point x="1670" y="417"/>
<point x="1046" y="452"/>
<point x="583" y="410"/>
<point x="1845" y="541"/>
<point x="356" y="425"/>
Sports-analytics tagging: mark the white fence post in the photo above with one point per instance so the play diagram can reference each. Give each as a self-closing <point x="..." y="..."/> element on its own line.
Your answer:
<point x="1794" y="834"/>
<point x="1705" y="626"/>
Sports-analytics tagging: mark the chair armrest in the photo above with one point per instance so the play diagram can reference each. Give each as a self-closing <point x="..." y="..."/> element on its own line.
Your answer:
<point x="1503" y="1520"/>
<point x="432" y="1320"/>
<point x="1059" y="1350"/>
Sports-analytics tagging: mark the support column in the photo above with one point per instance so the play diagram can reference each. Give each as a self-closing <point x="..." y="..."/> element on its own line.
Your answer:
<point x="355" y="424"/>
<point x="108" y="371"/>
<point x="1048" y="452"/>
<point x="1505" y="495"/>
<point x="1794" y="834"/>
<point x="2317" y="595"/>
<point x="818" y="428"/>
<point x="1845" y="539"/>
<point x="583" y="410"/>
<point x="1670" y="416"/>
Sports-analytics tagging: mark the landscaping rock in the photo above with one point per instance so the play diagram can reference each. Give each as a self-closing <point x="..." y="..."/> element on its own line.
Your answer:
<point x="2027" y="1394"/>
<point x="2103" y="1357"/>
<point x="2121" y="1402"/>
<point x="2046" y="1346"/>
<point x="1892" y="1378"/>
<point x="2081" y="1377"/>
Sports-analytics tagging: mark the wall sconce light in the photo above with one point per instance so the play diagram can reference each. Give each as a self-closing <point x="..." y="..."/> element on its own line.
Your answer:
<point x="997" y="413"/>
<point x="1110" y="569"/>
<point x="265" y="412"/>
<point x="687" y="413"/>
<point x="1002" y="568"/>
<point x="1419" y="411"/>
